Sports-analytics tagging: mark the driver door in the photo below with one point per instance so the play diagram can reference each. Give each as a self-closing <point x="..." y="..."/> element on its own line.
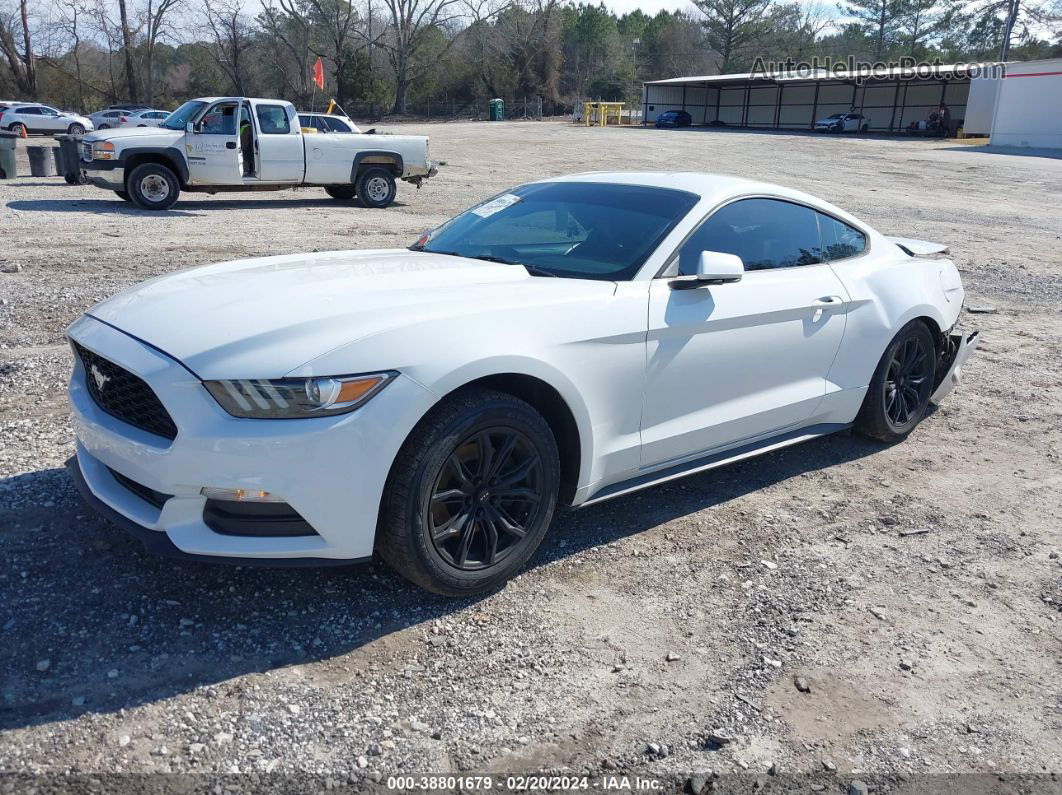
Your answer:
<point x="213" y="149"/>
<point x="732" y="363"/>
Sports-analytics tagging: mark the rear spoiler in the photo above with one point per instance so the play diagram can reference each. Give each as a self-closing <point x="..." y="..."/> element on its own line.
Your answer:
<point x="918" y="248"/>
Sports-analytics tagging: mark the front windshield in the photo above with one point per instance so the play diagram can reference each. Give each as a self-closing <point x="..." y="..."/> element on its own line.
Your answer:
<point x="179" y="119"/>
<point x="582" y="230"/>
<point x="835" y="116"/>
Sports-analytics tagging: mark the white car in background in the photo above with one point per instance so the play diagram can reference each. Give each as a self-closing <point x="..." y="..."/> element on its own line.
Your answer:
<point x="151" y="117"/>
<point x="35" y="118"/>
<point x="843" y="122"/>
<point x="326" y="123"/>
<point x="564" y="342"/>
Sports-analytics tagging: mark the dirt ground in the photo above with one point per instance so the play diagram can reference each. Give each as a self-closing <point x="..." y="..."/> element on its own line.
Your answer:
<point x="659" y="635"/>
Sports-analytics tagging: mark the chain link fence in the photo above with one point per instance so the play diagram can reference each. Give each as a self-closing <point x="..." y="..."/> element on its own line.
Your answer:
<point x="516" y="109"/>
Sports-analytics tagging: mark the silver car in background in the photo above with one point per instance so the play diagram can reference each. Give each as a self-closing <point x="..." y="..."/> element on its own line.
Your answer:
<point x="146" y="118"/>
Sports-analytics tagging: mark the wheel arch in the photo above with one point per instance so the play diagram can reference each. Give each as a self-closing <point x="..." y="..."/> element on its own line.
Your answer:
<point x="548" y="402"/>
<point x="377" y="157"/>
<point x="168" y="157"/>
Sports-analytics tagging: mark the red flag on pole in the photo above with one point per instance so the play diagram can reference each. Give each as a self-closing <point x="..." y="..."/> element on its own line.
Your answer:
<point x="318" y="73"/>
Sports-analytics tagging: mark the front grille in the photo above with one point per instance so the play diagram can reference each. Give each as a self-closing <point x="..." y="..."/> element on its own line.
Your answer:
<point x="86" y="151"/>
<point x="156" y="498"/>
<point x="124" y="395"/>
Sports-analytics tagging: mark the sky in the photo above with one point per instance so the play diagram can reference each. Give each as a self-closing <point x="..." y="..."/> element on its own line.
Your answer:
<point x="650" y="7"/>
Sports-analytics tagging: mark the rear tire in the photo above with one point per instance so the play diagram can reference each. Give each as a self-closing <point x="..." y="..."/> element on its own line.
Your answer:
<point x="152" y="186"/>
<point x="899" y="392"/>
<point x="470" y="495"/>
<point x="104" y="127"/>
<point x="19" y="129"/>
<point x="341" y="192"/>
<point x="376" y="187"/>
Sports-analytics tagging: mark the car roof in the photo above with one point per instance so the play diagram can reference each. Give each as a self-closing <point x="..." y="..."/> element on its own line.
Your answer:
<point x="712" y="188"/>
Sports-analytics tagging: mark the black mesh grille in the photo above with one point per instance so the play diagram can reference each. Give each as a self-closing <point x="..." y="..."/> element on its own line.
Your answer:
<point x="124" y="395"/>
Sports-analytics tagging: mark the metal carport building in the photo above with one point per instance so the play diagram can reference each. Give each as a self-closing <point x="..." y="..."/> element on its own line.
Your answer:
<point x="891" y="98"/>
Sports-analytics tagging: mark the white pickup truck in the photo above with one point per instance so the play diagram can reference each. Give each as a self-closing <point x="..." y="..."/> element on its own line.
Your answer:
<point x="220" y="144"/>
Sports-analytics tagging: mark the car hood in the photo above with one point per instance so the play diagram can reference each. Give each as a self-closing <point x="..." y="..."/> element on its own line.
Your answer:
<point x="828" y="121"/>
<point x="157" y="134"/>
<point x="263" y="318"/>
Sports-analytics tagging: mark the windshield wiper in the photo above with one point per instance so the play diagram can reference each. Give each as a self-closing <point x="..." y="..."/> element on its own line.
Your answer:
<point x="534" y="270"/>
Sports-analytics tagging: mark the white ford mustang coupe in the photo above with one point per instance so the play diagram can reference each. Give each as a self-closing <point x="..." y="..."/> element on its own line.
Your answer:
<point x="567" y="341"/>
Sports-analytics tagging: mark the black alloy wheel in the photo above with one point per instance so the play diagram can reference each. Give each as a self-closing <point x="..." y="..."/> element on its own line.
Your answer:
<point x="471" y="493"/>
<point x="903" y="382"/>
<point x="907" y="382"/>
<point x="486" y="498"/>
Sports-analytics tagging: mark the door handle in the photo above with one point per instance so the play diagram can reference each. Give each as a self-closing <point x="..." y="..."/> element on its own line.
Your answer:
<point x="230" y="144"/>
<point x="827" y="300"/>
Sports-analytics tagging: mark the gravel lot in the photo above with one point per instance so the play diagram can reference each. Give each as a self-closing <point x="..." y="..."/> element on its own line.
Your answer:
<point x="777" y="619"/>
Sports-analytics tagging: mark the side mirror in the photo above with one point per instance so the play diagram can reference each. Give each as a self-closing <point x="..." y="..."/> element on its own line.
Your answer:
<point x="713" y="267"/>
<point x="190" y="127"/>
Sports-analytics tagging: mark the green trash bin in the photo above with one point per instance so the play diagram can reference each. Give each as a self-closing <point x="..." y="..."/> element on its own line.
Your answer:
<point x="497" y="110"/>
<point x="8" y="142"/>
<point x="71" y="147"/>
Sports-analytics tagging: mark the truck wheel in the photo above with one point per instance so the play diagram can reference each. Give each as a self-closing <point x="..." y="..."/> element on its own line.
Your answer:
<point x="341" y="192"/>
<point x="153" y="187"/>
<point x="376" y="187"/>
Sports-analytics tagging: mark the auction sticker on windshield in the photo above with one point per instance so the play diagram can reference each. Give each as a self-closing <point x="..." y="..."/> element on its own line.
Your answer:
<point x="496" y="205"/>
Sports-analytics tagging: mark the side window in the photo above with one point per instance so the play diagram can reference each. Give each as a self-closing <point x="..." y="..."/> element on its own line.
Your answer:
<point x="220" y="120"/>
<point x="29" y="111"/>
<point x="335" y="125"/>
<point x="765" y="233"/>
<point x="272" y="120"/>
<point x="49" y="111"/>
<point x="839" y="240"/>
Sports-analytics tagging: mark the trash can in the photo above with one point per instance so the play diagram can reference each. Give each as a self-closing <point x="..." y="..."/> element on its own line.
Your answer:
<point x="40" y="161"/>
<point x="71" y="146"/>
<point x="57" y="154"/>
<point x="7" y="155"/>
<point x="497" y="110"/>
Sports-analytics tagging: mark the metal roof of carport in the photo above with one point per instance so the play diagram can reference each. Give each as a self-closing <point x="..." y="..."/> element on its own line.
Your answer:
<point x="893" y="73"/>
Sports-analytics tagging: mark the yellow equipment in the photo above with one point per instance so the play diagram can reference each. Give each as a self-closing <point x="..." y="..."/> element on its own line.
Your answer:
<point x="600" y="113"/>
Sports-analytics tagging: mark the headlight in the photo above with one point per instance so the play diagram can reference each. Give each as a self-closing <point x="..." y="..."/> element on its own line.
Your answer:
<point x="297" y="398"/>
<point x="102" y="150"/>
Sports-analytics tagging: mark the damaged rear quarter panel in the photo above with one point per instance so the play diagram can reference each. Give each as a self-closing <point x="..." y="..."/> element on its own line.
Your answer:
<point x="888" y="289"/>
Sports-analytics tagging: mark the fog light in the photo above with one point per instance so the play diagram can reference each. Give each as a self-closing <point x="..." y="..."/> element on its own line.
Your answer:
<point x="239" y="495"/>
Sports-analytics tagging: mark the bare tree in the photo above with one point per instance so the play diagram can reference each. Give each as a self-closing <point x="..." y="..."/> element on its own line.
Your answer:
<point x="405" y="41"/>
<point x="231" y="39"/>
<point x="131" y="82"/>
<point x="21" y="63"/>
<point x="156" y="25"/>
<point x="289" y="45"/>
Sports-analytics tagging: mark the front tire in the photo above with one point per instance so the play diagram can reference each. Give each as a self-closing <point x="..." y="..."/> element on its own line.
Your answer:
<point x="341" y="192"/>
<point x="76" y="129"/>
<point x="470" y="495"/>
<point x="376" y="187"/>
<point x="899" y="392"/>
<point x="152" y="186"/>
<point x="104" y="127"/>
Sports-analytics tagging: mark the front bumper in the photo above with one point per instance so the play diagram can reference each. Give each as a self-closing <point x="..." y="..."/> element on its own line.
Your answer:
<point x="331" y="470"/>
<point x="963" y="345"/>
<point x="107" y="174"/>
